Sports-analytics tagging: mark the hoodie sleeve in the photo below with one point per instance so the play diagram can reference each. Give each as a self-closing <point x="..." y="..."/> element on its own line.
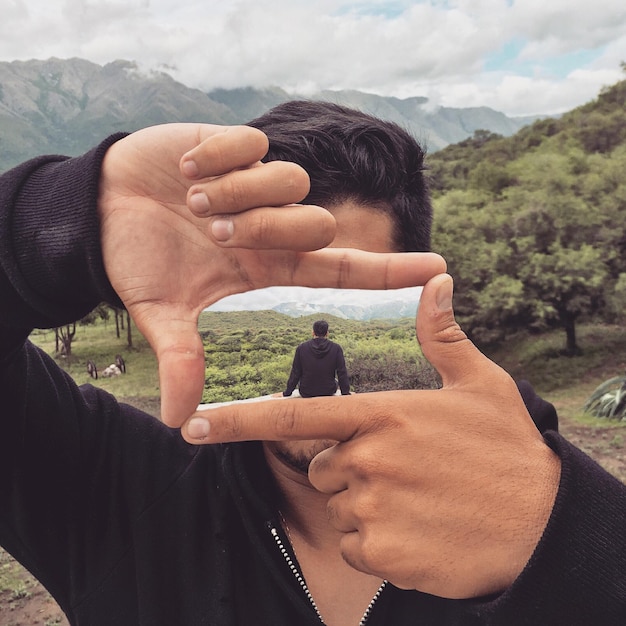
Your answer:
<point x="51" y="269"/>
<point x="577" y="574"/>
<point x="296" y="373"/>
<point x="68" y="455"/>
<point x="342" y="372"/>
<point x="543" y="413"/>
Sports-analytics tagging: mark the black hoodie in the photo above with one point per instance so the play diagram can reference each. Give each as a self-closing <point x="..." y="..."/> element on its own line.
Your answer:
<point x="315" y="365"/>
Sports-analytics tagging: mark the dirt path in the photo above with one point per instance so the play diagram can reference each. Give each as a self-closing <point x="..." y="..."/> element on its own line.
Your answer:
<point x="606" y="445"/>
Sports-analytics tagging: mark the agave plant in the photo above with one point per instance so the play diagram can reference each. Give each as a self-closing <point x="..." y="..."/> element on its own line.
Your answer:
<point x="609" y="399"/>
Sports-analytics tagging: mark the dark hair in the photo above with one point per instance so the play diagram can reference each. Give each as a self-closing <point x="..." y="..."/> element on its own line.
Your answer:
<point x="350" y="155"/>
<point x="320" y="328"/>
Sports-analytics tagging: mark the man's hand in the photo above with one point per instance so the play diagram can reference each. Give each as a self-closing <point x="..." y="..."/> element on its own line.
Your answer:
<point x="190" y="215"/>
<point x="447" y="491"/>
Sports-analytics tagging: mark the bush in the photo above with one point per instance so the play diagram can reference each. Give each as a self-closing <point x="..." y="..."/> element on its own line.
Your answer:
<point x="608" y="400"/>
<point x="384" y="372"/>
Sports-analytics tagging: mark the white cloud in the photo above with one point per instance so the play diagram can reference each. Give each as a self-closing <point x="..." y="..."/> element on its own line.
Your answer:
<point x="263" y="299"/>
<point x="447" y="50"/>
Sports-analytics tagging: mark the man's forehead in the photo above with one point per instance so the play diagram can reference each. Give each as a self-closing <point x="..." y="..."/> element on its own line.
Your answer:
<point x="361" y="226"/>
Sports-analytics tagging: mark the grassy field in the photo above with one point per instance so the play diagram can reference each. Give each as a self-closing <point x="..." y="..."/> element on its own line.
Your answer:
<point x="565" y="381"/>
<point x="99" y="343"/>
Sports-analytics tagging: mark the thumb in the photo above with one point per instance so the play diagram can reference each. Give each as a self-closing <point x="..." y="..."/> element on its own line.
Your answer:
<point x="180" y="355"/>
<point x="443" y="342"/>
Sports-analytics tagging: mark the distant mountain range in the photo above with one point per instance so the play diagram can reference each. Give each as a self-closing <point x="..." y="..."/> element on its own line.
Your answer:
<point x="382" y="311"/>
<point x="68" y="106"/>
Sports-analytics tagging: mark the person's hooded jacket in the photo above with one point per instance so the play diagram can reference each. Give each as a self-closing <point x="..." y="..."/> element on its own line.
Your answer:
<point x="318" y="365"/>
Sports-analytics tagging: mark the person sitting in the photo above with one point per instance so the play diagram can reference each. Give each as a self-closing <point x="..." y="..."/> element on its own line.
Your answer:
<point x="317" y="365"/>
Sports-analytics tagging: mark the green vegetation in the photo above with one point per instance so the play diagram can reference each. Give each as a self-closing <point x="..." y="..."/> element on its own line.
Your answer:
<point x="609" y="401"/>
<point x="249" y="354"/>
<point x="532" y="225"/>
<point x="98" y="342"/>
<point x="12" y="580"/>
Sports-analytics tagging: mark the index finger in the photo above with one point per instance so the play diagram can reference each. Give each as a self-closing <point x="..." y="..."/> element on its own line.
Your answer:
<point x="350" y="268"/>
<point x="336" y="417"/>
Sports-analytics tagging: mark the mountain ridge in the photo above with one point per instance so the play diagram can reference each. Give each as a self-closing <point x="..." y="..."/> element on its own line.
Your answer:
<point x="384" y="310"/>
<point x="66" y="106"/>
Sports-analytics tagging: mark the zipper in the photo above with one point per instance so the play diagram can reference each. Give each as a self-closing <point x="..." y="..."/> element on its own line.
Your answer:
<point x="298" y="576"/>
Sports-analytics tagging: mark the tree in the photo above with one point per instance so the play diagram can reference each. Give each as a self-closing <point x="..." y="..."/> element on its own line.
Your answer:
<point x="562" y="286"/>
<point x="526" y="257"/>
<point x="64" y="335"/>
<point x="120" y="324"/>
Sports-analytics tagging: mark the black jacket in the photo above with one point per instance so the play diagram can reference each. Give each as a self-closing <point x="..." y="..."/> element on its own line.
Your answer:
<point x="126" y="524"/>
<point x="316" y="363"/>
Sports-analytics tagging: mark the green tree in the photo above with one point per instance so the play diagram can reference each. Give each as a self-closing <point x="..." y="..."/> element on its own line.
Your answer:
<point x="526" y="257"/>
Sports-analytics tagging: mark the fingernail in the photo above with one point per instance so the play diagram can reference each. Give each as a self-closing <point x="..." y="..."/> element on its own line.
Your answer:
<point x="199" y="202"/>
<point x="222" y="229"/>
<point x="190" y="169"/>
<point x="198" y="428"/>
<point x="444" y="294"/>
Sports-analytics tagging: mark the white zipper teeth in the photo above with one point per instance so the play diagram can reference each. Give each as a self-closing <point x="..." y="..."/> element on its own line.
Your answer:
<point x="370" y="606"/>
<point x="296" y="572"/>
<point x="303" y="585"/>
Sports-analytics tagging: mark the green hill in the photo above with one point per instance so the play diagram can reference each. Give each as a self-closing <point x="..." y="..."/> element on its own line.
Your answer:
<point x="532" y="225"/>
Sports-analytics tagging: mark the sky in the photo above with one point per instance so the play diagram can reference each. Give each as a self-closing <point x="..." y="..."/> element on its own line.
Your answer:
<point x="264" y="299"/>
<point x="521" y="57"/>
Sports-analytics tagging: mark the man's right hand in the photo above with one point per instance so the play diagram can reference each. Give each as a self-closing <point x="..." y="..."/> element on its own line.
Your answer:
<point x="447" y="491"/>
<point x="190" y="215"/>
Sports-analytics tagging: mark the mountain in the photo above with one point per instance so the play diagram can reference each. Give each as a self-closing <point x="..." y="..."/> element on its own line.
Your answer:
<point x="383" y="310"/>
<point x="67" y="106"/>
<point x="436" y="126"/>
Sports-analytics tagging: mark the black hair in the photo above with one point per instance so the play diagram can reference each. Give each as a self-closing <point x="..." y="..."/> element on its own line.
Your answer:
<point x="351" y="155"/>
<point x="320" y="328"/>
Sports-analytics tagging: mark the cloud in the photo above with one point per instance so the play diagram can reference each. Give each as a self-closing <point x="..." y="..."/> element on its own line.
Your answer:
<point x="522" y="56"/>
<point x="268" y="298"/>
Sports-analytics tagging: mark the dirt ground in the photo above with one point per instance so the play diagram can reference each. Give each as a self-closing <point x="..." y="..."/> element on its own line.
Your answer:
<point x="24" y="602"/>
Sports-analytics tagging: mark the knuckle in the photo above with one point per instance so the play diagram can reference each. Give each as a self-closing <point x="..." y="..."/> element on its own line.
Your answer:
<point x="284" y="421"/>
<point x="451" y="334"/>
<point x="232" y="193"/>
<point x="365" y="506"/>
<point x="363" y="464"/>
<point x="294" y="179"/>
<point x="260" y="229"/>
<point x="231" y="427"/>
<point x="345" y="270"/>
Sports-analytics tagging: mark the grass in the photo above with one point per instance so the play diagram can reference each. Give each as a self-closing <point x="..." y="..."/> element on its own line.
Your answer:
<point x="11" y="578"/>
<point x="566" y="379"/>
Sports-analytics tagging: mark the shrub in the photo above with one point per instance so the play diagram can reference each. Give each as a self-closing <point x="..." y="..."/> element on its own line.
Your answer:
<point x="383" y="372"/>
<point x="609" y="399"/>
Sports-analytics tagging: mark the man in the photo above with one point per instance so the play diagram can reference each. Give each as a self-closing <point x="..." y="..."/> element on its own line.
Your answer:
<point x="447" y="494"/>
<point x="316" y="363"/>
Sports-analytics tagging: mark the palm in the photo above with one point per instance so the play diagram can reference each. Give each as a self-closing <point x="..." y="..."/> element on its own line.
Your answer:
<point x="158" y="255"/>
